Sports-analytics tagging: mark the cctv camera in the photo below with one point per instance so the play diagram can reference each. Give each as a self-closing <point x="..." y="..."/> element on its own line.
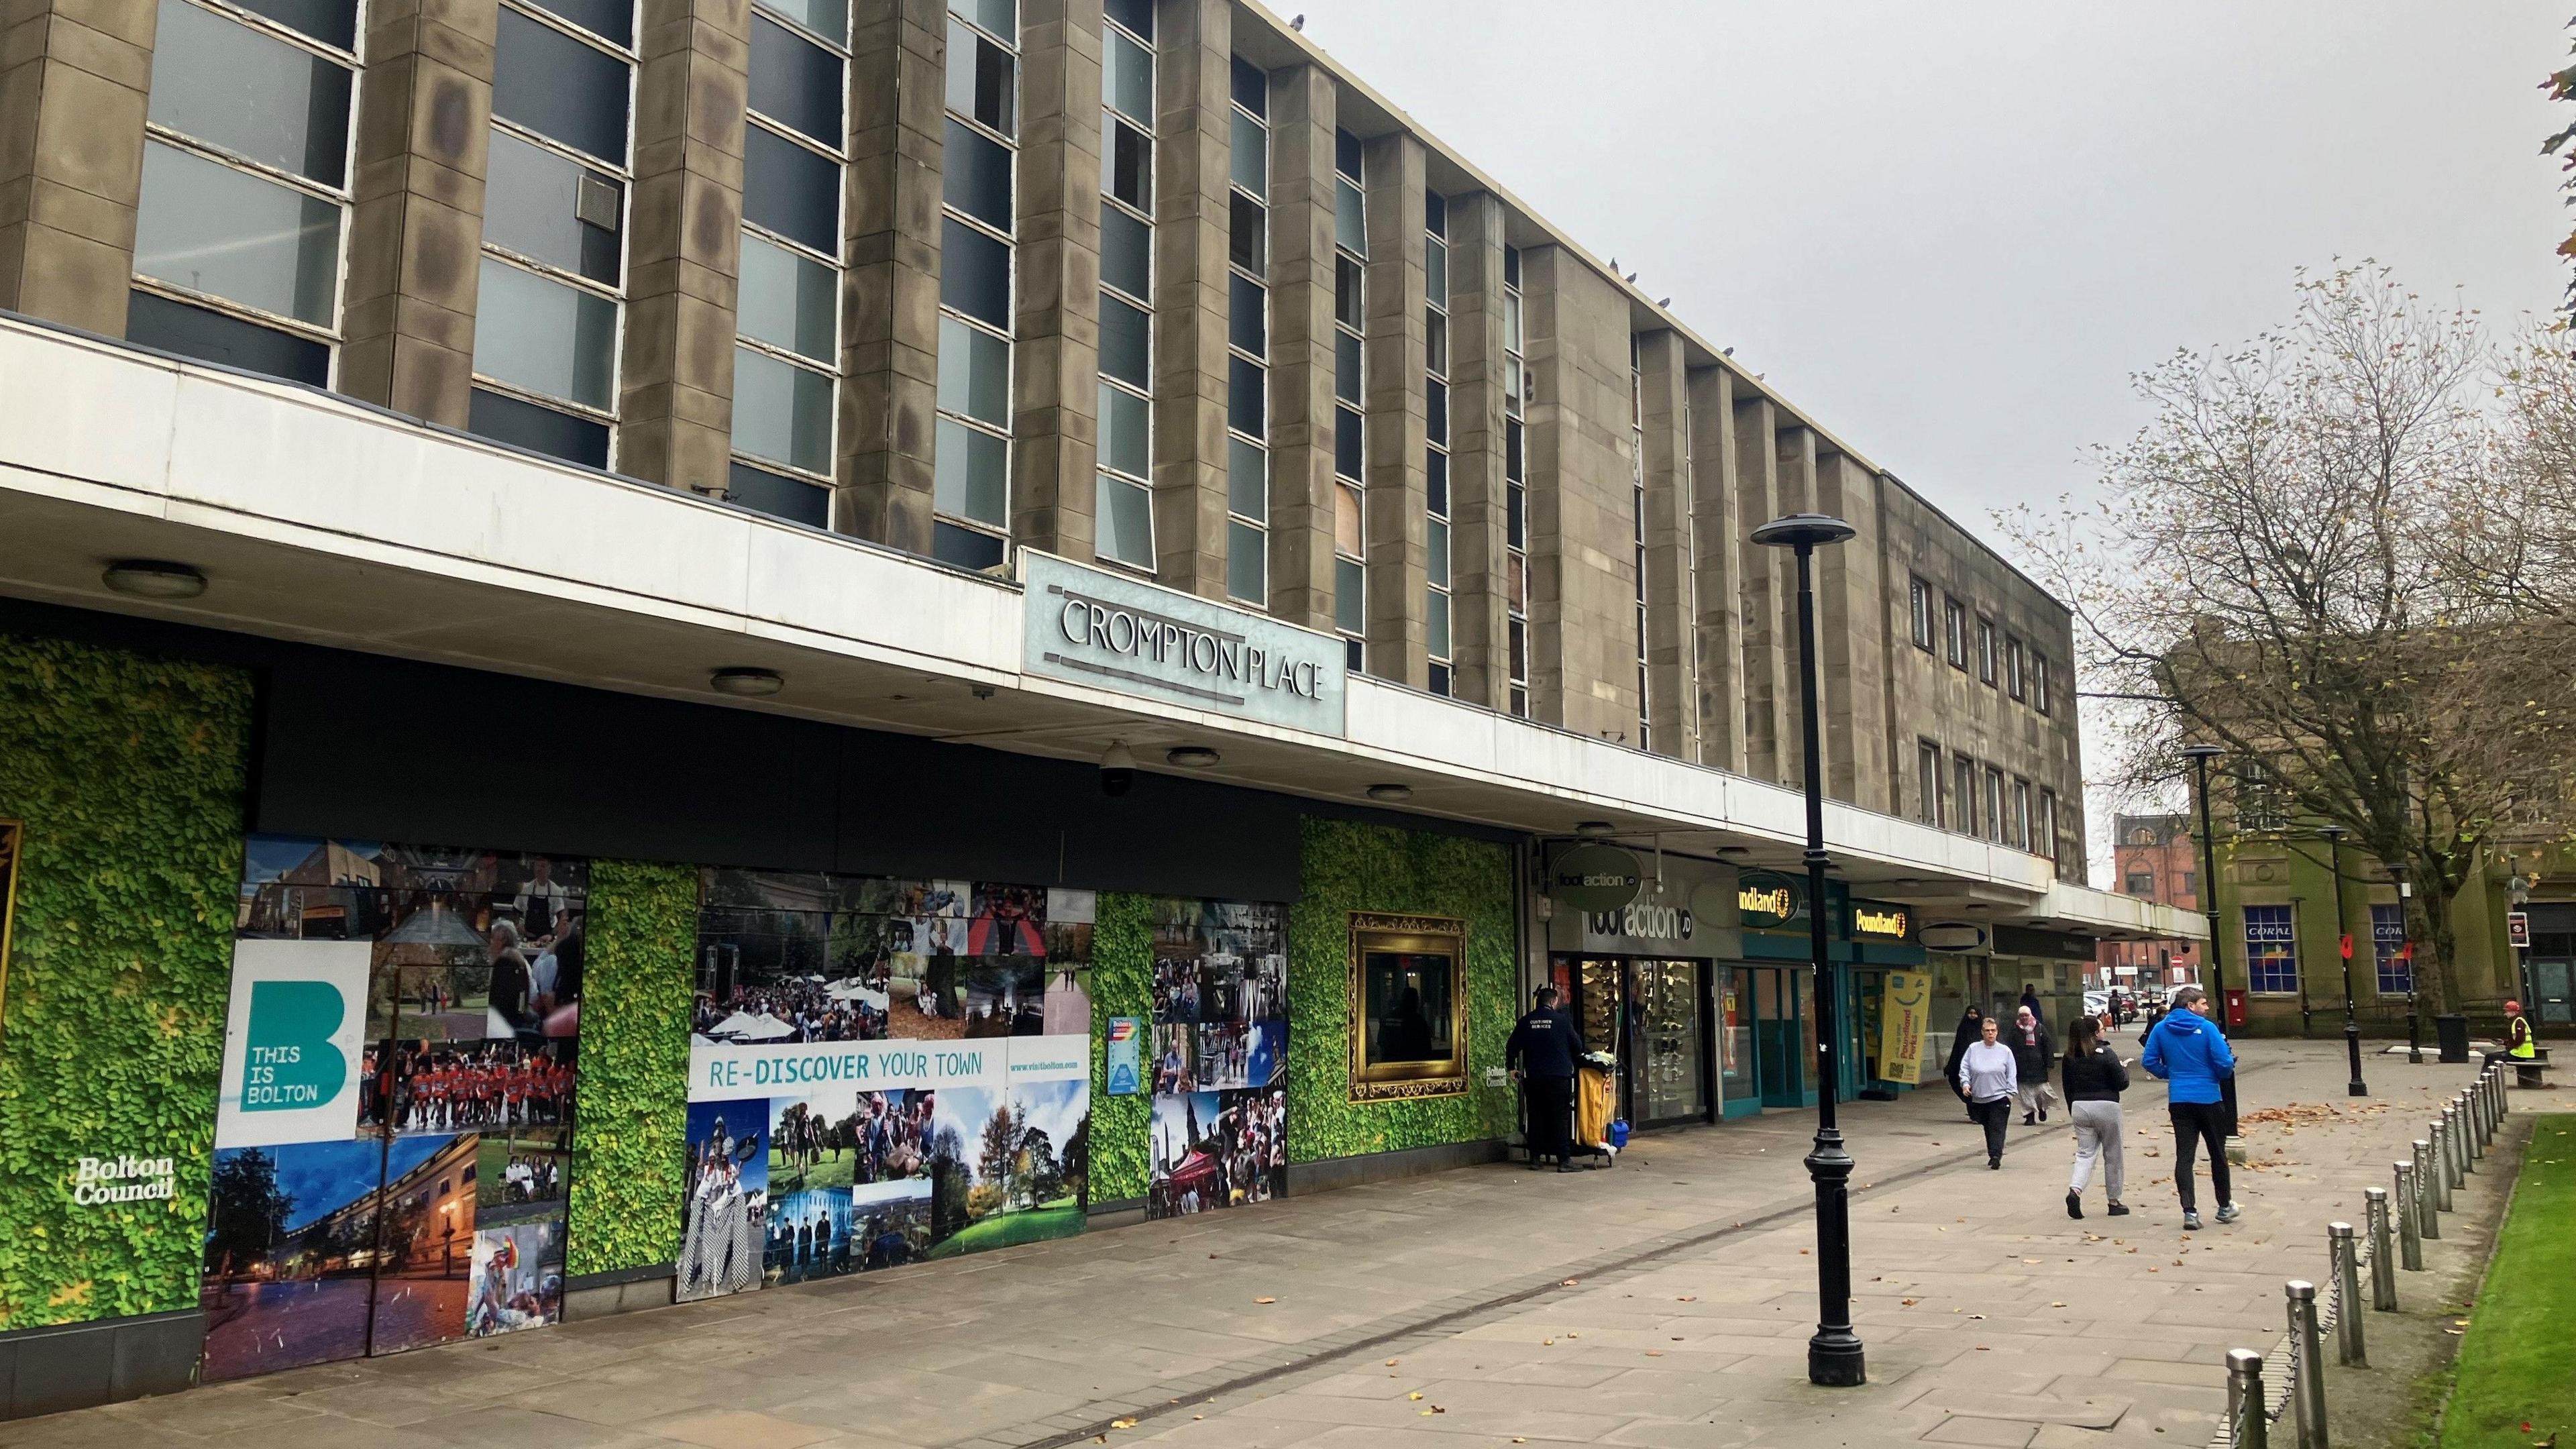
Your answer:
<point x="1117" y="769"/>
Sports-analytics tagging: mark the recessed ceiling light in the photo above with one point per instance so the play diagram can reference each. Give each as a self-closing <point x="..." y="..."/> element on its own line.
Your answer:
<point x="152" y="578"/>
<point x="1593" y="829"/>
<point x="749" y="683"/>
<point x="1390" y="794"/>
<point x="1196" y="757"/>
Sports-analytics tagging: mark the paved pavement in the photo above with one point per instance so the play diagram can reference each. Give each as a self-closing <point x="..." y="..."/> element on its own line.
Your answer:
<point x="1665" y="1303"/>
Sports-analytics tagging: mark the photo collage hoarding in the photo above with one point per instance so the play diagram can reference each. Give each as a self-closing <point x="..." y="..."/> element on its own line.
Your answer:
<point x="393" y="1127"/>
<point x="1220" y="1055"/>
<point x="882" y="1071"/>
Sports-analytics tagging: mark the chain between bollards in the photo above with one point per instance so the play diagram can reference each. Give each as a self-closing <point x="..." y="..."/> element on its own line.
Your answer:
<point x="2307" y="1364"/>
<point x="2383" y="1263"/>
<point x="2344" y="1253"/>
<point x="2247" y="1416"/>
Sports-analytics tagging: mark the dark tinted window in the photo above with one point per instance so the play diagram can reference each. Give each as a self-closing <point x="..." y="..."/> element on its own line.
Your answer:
<point x="1124" y="352"/>
<point x="1346" y="366"/>
<point x="1436" y="397"/>
<point x="1515" y="522"/>
<point x="791" y="191"/>
<point x="1245" y="243"/>
<point x="1130" y="166"/>
<point x="1435" y="213"/>
<point x="1136" y="15"/>
<point x="1513" y="462"/>
<point x="542" y="430"/>
<point x="1346" y="155"/>
<point x="978" y="175"/>
<point x="1126" y="253"/>
<point x="788" y="498"/>
<point x="607" y="19"/>
<point x="964" y="547"/>
<point x="210" y="336"/>
<point x="1347" y="292"/>
<point x="1346" y="443"/>
<point x="1246" y="325"/>
<point x="1251" y="87"/>
<point x="974" y="273"/>
<point x="1436" y="481"/>
<point x="333" y="22"/>
<point x="795" y="82"/>
<point x="558" y="87"/>
<point x="1243" y="400"/>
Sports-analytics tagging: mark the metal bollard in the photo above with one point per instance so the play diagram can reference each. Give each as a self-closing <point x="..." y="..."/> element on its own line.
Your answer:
<point x="2445" y="1170"/>
<point x="2428" y="1200"/>
<point x="2471" y="1149"/>
<point x="2410" y="1242"/>
<point x="2343" y="1253"/>
<point x="2487" y="1102"/>
<point x="2307" y="1364"/>
<point x="2245" y="1412"/>
<point x="2459" y="1144"/>
<point x="2383" y="1265"/>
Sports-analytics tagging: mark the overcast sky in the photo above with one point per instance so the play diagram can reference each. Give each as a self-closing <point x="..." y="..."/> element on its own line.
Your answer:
<point x="1950" y="232"/>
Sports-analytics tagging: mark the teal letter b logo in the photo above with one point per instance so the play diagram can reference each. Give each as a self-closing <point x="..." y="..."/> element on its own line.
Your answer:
<point x="288" y="1063"/>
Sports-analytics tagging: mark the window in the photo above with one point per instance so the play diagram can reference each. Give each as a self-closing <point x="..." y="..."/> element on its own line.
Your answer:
<point x="2271" y="949"/>
<point x="1435" y="386"/>
<point x="1985" y="651"/>
<point x="1927" y="782"/>
<point x="2183" y="887"/>
<point x="1515" y="494"/>
<point x="2261" y="803"/>
<point x="2019" y="822"/>
<point x="787" y="347"/>
<point x="1637" y="537"/>
<point x="1954" y="625"/>
<point x="245" y="196"/>
<point x="2039" y="682"/>
<point x="1963" y="794"/>
<point x="2013" y="683"/>
<point x="970" y="484"/>
<point x="2140" y="883"/>
<point x="2048" y="824"/>
<point x="1919" y="595"/>
<point x="552" y="292"/>
<point x="1409" y="994"/>
<point x="1247" y="456"/>
<point x="2387" y="943"/>
<point x="1350" y="311"/>
<point x="1995" y="805"/>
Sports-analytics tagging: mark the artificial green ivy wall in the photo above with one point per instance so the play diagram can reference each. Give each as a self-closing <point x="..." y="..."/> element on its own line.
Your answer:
<point x="1122" y="984"/>
<point x="128" y="774"/>
<point x="1349" y="866"/>
<point x="630" y="1135"/>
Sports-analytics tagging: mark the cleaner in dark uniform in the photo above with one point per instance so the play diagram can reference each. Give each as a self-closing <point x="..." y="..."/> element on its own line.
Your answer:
<point x="1542" y="1054"/>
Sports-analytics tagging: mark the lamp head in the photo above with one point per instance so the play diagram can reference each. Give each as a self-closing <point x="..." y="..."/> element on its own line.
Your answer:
<point x="1803" y="530"/>
<point x="2201" y="752"/>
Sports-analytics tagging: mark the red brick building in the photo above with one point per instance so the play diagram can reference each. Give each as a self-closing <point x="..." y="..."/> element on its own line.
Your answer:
<point x="2156" y="857"/>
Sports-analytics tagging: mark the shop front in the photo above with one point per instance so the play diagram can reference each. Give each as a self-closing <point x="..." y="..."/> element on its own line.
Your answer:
<point x="1884" y="993"/>
<point x="1654" y="984"/>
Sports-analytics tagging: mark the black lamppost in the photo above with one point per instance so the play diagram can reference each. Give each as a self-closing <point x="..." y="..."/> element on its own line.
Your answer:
<point x="2414" y="1017"/>
<point x="1834" y="1357"/>
<point x="2343" y="943"/>
<point x="2200" y="756"/>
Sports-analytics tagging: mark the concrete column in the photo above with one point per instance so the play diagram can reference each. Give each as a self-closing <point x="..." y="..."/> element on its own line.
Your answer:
<point x="1764" y="580"/>
<point x="1302" y="109"/>
<point x="1672" y="634"/>
<point x="890" y="294"/>
<point x="1583" y="644"/>
<point x="1398" y="582"/>
<point x="1055" y="407"/>
<point x="1851" y="626"/>
<point x="1480" y="647"/>
<point x="415" y="248"/>
<point x="74" y="77"/>
<point x="684" y="259"/>
<point x="1715" y="511"/>
<point x="1193" y="131"/>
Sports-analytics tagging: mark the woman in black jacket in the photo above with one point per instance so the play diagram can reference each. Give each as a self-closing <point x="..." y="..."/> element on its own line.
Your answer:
<point x="2095" y="1077"/>
<point x="1971" y="1027"/>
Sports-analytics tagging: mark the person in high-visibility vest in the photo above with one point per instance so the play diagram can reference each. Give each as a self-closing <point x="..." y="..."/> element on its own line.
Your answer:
<point x="2517" y="1034"/>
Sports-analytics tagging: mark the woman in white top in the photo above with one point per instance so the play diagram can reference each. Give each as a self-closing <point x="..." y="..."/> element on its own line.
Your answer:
<point x="1988" y="1077"/>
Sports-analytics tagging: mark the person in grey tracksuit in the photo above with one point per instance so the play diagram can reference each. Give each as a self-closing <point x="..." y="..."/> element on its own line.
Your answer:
<point x="2095" y="1077"/>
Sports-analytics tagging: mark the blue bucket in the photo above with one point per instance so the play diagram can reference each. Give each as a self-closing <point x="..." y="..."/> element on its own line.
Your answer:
<point x="1619" y="1134"/>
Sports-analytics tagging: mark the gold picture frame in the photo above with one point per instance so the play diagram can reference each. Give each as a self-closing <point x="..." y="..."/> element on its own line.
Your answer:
<point x="1412" y="960"/>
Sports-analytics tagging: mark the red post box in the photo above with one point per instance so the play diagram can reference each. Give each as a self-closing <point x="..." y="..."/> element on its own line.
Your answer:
<point x="2236" y="1013"/>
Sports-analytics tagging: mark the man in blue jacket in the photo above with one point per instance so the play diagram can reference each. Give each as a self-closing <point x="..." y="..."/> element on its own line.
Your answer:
<point x="2188" y="1053"/>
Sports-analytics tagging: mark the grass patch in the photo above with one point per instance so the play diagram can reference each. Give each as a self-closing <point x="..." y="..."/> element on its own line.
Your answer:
<point x="836" y="1168"/>
<point x="1055" y="1220"/>
<point x="2514" y="1367"/>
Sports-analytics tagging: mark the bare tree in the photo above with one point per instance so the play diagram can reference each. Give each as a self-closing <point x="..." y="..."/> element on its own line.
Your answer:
<point x="2271" y="569"/>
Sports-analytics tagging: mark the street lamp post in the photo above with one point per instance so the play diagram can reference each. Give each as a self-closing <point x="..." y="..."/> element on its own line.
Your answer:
<point x="2414" y="1018"/>
<point x="2518" y="895"/>
<point x="2200" y="756"/>
<point x="2343" y="943"/>
<point x="1834" y="1355"/>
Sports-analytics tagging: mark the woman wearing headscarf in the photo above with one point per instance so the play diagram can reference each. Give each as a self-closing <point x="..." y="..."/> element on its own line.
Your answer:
<point x="1971" y="1022"/>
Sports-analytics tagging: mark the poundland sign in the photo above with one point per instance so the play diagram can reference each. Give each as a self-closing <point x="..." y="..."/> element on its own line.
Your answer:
<point x="1091" y="627"/>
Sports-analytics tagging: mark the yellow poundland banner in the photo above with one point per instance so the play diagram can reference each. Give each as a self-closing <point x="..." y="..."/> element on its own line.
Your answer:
<point x="1902" y="1020"/>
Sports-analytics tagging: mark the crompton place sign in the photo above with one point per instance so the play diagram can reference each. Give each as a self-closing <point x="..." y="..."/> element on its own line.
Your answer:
<point x="1090" y="627"/>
